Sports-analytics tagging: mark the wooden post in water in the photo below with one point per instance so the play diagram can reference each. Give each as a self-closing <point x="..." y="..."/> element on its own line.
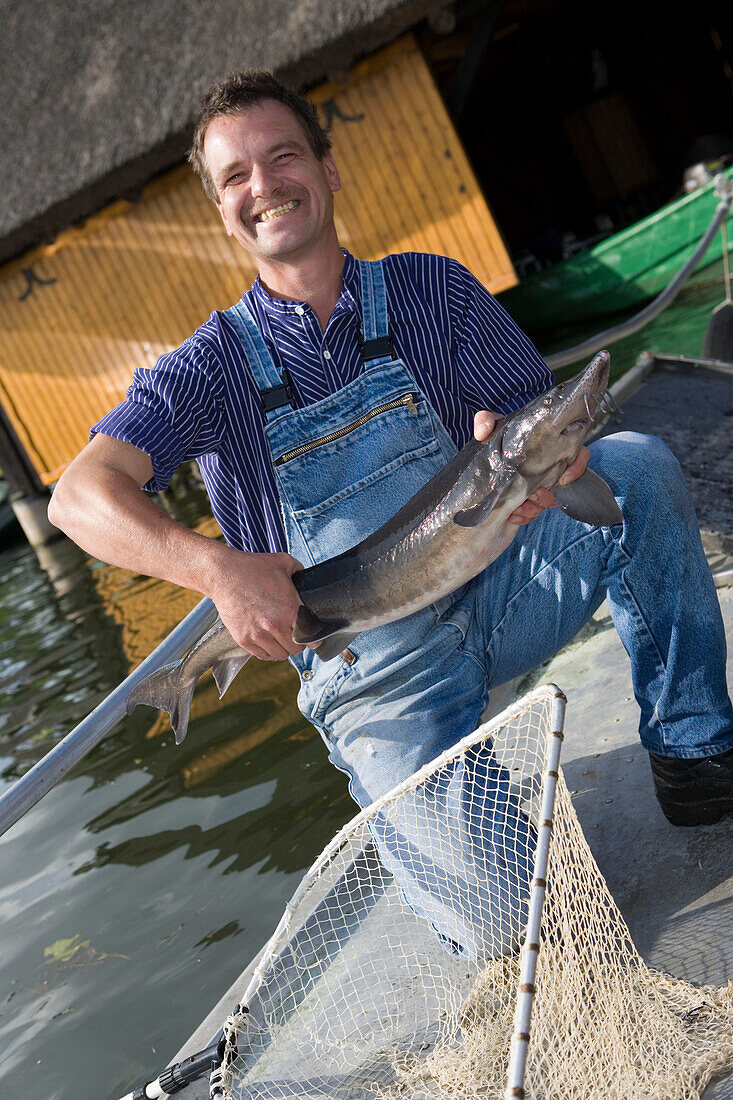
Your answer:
<point x="28" y="497"/>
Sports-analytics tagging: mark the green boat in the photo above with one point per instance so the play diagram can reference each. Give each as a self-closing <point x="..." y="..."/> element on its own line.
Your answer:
<point x="622" y="271"/>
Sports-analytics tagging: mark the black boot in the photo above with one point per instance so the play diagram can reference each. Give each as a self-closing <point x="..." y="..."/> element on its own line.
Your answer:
<point x="694" y="792"/>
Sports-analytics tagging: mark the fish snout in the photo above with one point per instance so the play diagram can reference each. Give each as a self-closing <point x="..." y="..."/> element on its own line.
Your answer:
<point x="594" y="379"/>
<point x="583" y="395"/>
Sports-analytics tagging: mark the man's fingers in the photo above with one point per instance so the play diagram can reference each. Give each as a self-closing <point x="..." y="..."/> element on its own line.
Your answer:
<point x="268" y="641"/>
<point x="272" y="649"/>
<point x="257" y="601"/>
<point x="576" y="468"/>
<point x="534" y="505"/>
<point x="260" y="654"/>
<point x="281" y="643"/>
<point x="525" y="514"/>
<point x="545" y="499"/>
<point x="484" y="423"/>
<point x="289" y="563"/>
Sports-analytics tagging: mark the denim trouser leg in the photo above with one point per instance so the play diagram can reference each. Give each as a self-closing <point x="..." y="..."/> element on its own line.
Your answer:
<point x="460" y="846"/>
<point x="660" y="592"/>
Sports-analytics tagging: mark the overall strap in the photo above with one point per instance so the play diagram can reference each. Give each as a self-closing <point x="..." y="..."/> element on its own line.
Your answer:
<point x="275" y="390"/>
<point x="375" y="340"/>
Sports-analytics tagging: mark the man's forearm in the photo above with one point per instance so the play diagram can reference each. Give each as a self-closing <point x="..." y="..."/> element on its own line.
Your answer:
<point x="99" y="503"/>
<point x="113" y="519"/>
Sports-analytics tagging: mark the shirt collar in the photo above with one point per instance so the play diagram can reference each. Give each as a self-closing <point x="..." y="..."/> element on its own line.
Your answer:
<point x="347" y="301"/>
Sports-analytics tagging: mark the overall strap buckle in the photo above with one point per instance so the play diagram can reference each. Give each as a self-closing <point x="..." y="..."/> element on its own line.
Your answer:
<point x="378" y="348"/>
<point x="277" y="396"/>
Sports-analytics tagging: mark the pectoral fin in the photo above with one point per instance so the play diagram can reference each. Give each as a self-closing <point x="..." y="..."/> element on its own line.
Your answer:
<point x="309" y="627"/>
<point x="334" y="645"/>
<point x="589" y="500"/>
<point x="333" y="634"/>
<point x="472" y="517"/>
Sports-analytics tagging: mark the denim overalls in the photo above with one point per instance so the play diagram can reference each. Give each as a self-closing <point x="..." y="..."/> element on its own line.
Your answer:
<point x="343" y="466"/>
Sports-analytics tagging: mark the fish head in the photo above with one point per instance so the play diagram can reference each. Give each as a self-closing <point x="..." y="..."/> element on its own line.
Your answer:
<point x="548" y="432"/>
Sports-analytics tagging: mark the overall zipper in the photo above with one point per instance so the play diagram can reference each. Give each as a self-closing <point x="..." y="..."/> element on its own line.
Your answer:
<point x="406" y="399"/>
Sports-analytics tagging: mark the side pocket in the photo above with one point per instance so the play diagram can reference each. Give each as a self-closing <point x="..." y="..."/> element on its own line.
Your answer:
<point x="315" y="698"/>
<point x="457" y="609"/>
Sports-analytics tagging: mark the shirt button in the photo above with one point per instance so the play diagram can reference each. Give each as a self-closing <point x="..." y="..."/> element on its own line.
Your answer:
<point x="299" y="310"/>
<point x="327" y="355"/>
<point x="308" y="674"/>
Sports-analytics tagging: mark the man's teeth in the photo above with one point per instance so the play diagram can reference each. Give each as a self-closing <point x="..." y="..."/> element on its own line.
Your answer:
<point x="268" y="215"/>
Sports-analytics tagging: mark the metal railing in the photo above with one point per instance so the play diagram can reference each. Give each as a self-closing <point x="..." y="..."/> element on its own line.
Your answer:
<point x="57" y="763"/>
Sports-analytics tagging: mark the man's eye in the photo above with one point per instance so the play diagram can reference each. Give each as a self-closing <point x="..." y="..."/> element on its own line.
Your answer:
<point x="285" y="156"/>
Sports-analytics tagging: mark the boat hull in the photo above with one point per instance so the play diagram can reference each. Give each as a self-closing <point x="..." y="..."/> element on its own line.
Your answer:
<point x="622" y="271"/>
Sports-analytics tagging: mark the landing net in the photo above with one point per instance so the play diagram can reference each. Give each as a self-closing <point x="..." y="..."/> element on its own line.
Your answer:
<point x="404" y="966"/>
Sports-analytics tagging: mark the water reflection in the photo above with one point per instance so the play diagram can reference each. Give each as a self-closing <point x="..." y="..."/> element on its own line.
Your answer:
<point x="60" y="652"/>
<point x="257" y="743"/>
<point x="152" y="869"/>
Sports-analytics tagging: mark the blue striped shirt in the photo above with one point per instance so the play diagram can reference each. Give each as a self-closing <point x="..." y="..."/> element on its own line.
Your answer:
<point x="463" y="349"/>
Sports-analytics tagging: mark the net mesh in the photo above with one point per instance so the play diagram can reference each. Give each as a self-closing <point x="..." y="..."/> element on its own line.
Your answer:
<point x="394" y="971"/>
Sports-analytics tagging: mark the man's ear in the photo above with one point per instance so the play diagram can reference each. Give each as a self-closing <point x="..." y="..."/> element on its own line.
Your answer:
<point x="332" y="172"/>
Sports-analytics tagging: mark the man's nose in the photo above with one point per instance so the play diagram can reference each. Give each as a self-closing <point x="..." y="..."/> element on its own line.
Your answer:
<point x="263" y="181"/>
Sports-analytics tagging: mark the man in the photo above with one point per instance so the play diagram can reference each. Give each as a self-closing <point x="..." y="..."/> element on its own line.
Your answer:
<point x="316" y="406"/>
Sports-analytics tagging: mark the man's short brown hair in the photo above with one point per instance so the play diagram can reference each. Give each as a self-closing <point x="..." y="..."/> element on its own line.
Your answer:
<point x="238" y="92"/>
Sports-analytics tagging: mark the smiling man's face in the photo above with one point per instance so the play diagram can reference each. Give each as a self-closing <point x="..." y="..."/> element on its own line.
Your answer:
<point x="275" y="196"/>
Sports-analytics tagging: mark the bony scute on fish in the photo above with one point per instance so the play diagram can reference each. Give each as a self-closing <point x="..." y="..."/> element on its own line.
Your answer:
<point x="449" y="532"/>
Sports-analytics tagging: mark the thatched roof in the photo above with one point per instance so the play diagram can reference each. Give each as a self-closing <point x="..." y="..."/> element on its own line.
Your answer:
<point x="99" y="95"/>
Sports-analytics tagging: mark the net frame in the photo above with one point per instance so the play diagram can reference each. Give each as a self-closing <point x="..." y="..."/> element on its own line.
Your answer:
<point x="333" y="1010"/>
<point x="554" y="701"/>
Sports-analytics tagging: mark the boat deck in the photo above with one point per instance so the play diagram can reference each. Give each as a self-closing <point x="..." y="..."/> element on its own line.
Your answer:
<point x="674" y="886"/>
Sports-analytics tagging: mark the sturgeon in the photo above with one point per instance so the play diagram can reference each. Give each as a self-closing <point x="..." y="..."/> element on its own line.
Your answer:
<point x="449" y="532"/>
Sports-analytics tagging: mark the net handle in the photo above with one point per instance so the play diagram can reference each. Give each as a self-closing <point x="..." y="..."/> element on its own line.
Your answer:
<point x="528" y="967"/>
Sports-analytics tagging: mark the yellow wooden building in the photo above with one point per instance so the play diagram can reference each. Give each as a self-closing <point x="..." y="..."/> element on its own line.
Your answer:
<point x="78" y="315"/>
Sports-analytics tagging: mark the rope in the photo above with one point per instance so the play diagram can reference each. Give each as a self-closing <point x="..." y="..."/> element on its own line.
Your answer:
<point x="723" y="190"/>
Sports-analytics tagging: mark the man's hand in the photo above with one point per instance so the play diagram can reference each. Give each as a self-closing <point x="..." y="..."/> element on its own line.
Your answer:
<point x="257" y="601"/>
<point x="484" y="423"/>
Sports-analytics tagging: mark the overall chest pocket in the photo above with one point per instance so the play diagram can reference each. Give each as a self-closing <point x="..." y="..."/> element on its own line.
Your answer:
<point x="340" y="485"/>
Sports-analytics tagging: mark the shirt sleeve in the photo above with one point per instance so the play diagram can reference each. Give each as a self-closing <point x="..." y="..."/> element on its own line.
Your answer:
<point x="499" y="368"/>
<point x="171" y="411"/>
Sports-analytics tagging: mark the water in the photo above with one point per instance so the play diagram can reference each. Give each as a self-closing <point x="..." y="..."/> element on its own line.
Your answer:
<point x="137" y="890"/>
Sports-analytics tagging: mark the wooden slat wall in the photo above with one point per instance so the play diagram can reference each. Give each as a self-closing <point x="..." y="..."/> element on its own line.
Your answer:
<point x="77" y="316"/>
<point x="407" y="183"/>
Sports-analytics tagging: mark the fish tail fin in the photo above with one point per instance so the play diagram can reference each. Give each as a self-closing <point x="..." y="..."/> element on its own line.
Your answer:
<point x="226" y="669"/>
<point x="164" y="690"/>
